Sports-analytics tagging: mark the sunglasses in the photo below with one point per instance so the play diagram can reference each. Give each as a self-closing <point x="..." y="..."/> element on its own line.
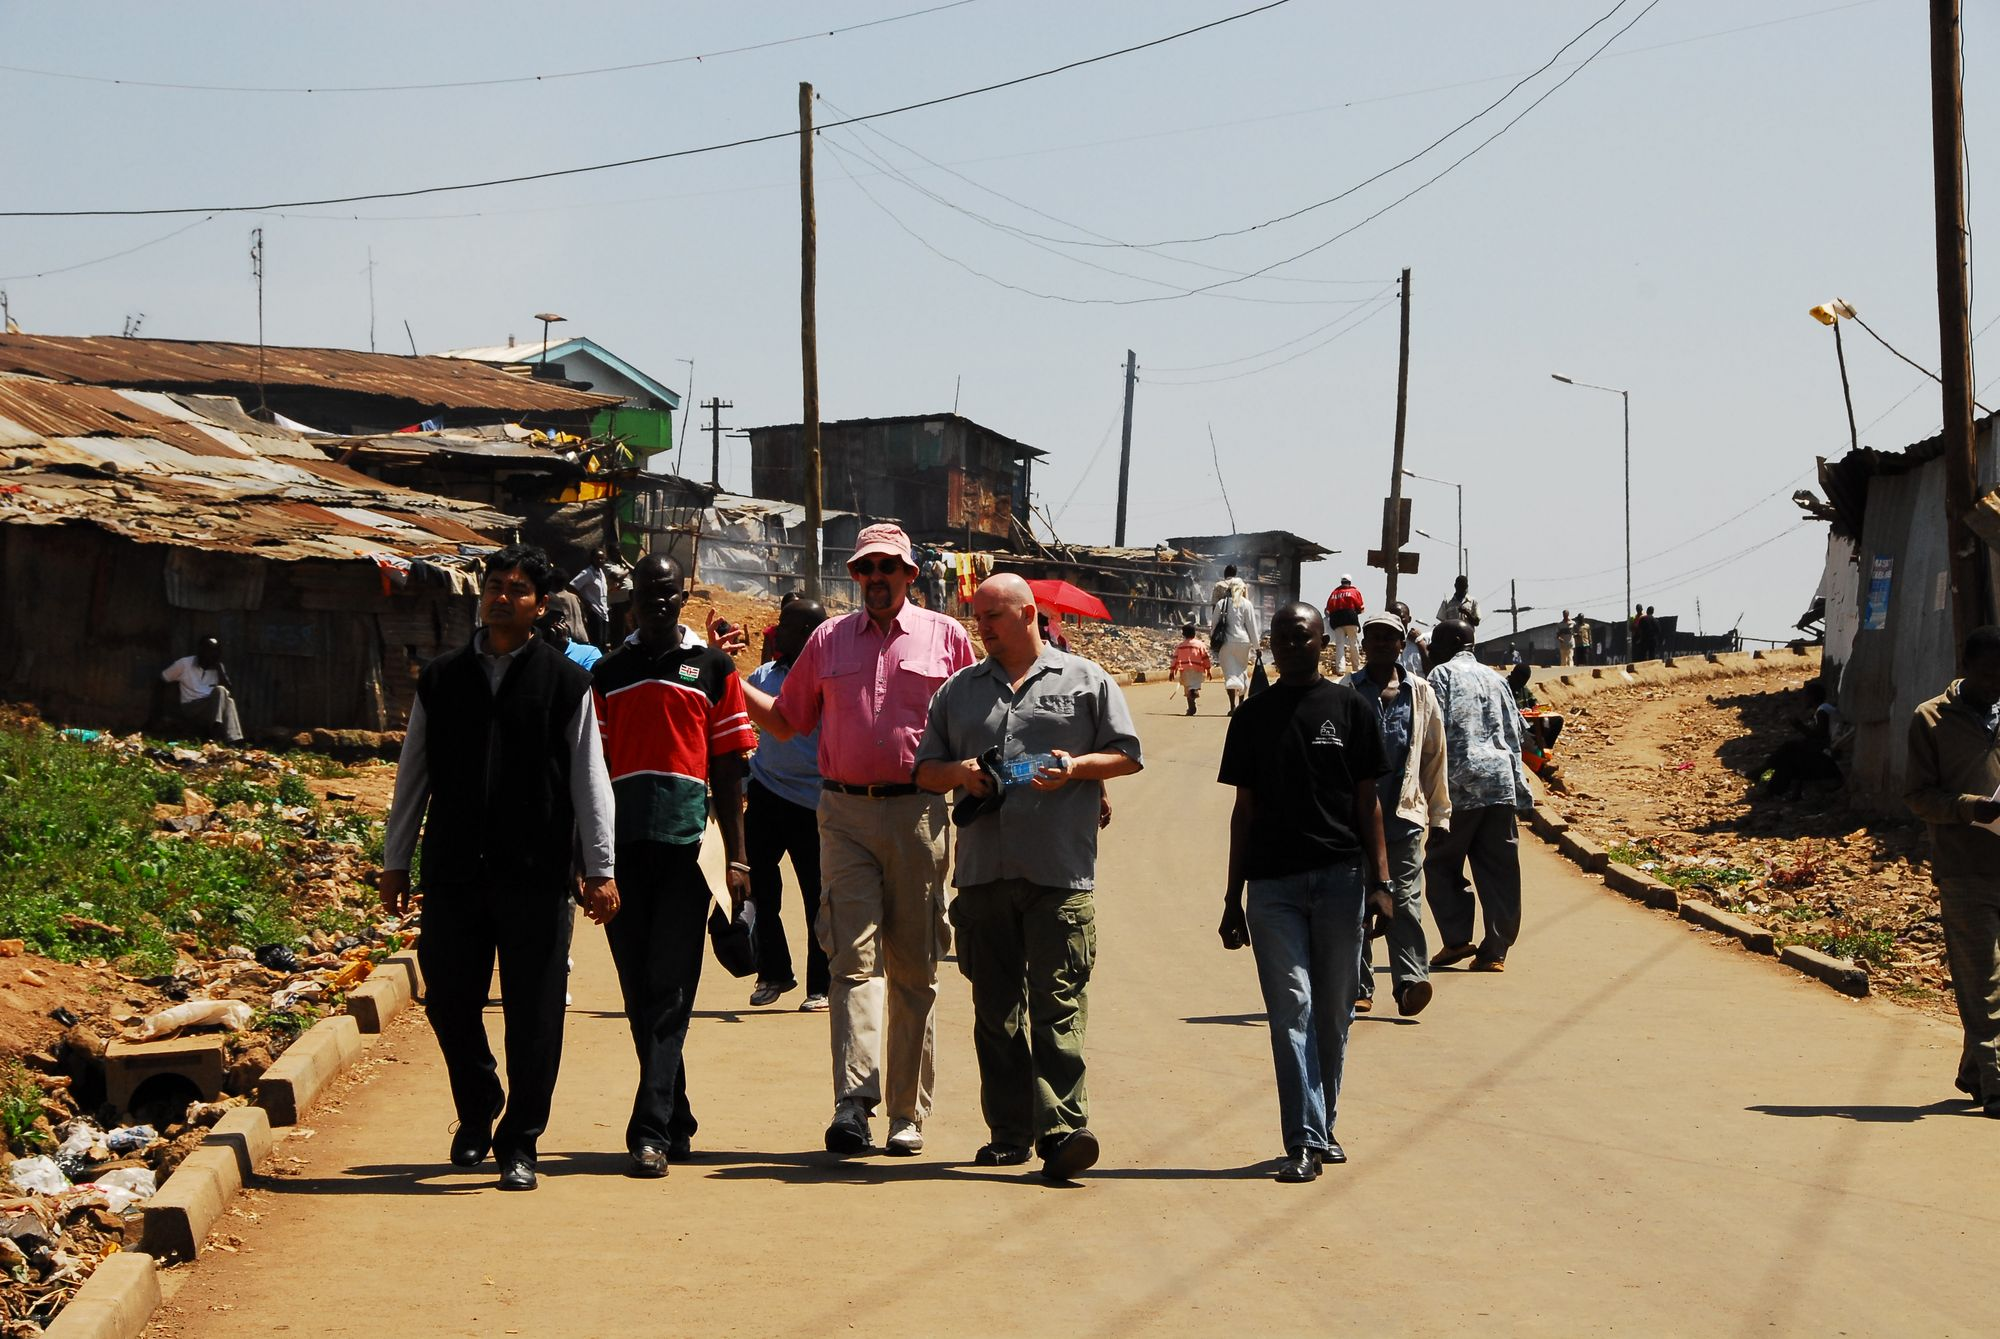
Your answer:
<point x="868" y="567"/>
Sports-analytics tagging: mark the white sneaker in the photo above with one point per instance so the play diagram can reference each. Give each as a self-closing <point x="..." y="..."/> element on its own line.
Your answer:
<point x="906" y="1137"/>
<point x="813" y="1004"/>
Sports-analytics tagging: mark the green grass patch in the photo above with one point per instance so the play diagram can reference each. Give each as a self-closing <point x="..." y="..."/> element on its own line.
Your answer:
<point x="77" y="835"/>
<point x="20" y="1106"/>
<point x="1870" y="946"/>
<point x="1677" y="875"/>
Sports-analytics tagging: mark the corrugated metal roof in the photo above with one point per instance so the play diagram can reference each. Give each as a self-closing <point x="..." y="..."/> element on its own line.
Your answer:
<point x="1022" y="450"/>
<point x="120" y="460"/>
<point x="443" y="383"/>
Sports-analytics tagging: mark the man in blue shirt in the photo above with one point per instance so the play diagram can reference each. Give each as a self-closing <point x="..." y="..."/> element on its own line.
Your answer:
<point x="1488" y="787"/>
<point x="781" y="818"/>
<point x="559" y="632"/>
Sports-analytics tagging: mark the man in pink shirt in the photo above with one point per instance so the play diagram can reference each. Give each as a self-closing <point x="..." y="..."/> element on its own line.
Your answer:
<point x="865" y="680"/>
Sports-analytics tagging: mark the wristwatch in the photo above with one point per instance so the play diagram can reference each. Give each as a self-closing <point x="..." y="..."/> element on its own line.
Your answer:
<point x="1381" y="886"/>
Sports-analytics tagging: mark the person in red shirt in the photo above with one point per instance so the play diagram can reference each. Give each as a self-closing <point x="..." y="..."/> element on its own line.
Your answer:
<point x="1343" y="623"/>
<point x="674" y="727"/>
<point x="866" y="680"/>
<point x="1192" y="664"/>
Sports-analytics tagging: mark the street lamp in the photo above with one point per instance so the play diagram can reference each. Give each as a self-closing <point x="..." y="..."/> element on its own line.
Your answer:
<point x="547" y="319"/>
<point x="1832" y="313"/>
<point x="1461" y="512"/>
<point x="1627" y="397"/>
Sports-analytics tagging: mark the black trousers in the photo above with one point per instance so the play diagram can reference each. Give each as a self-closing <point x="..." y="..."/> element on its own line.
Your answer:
<point x="658" y="939"/>
<point x="464" y="930"/>
<point x="774" y="828"/>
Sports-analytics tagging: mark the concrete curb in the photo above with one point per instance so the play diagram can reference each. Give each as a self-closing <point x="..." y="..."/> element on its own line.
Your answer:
<point x="1751" y="935"/>
<point x="1840" y="973"/>
<point x="1553" y="828"/>
<point x="118" y="1300"/>
<point x="388" y="991"/>
<point x="302" y="1073"/>
<point x="115" y="1302"/>
<point x="1641" y="887"/>
<point x="179" y="1218"/>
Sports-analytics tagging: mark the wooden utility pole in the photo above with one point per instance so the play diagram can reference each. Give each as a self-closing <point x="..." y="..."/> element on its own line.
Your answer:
<point x="1961" y="471"/>
<point x="1125" y="444"/>
<point x="1514" y="606"/>
<point x="809" y="339"/>
<point x="1392" y="530"/>
<point x="715" y="408"/>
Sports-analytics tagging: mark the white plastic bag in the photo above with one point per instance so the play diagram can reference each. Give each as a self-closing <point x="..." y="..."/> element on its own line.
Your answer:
<point x="126" y="1186"/>
<point x="39" y="1176"/>
<point x="232" y="1014"/>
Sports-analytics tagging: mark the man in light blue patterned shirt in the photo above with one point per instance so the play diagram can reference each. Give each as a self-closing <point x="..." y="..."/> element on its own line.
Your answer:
<point x="1482" y="731"/>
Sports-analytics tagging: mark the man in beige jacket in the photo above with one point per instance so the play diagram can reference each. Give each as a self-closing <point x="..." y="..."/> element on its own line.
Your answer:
<point x="1954" y="771"/>
<point x="1414" y="799"/>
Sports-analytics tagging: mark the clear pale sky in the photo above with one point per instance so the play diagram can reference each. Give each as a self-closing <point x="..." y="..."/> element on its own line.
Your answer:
<point x="1661" y="223"/>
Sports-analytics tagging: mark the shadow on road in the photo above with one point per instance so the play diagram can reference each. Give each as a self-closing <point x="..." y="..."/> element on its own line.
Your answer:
<point x="402" y="1178"/>
<point x="1879" y="1115"/>
<point x="810" y="1168"/>
<point x="1231" y="1020"/>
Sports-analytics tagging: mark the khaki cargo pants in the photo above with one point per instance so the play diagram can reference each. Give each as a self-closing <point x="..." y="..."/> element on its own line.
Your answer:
<point x="882" y="924"/>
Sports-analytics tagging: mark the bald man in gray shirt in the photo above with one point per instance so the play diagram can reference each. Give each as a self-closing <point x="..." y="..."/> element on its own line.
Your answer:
<point x="1026" y="864"/>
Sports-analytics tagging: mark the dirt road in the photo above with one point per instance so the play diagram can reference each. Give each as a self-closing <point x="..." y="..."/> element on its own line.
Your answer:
<point x="1633" y="1130"/>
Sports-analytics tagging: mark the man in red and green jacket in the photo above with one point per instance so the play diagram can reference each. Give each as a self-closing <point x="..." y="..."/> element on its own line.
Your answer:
<point x="674" y="723"/>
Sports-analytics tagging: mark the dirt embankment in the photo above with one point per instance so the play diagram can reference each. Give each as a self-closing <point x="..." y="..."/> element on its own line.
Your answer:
<point x="1671" y="779"/>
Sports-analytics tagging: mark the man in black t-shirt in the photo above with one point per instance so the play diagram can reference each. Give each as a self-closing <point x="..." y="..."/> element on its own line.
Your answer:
<point x="1304" y="757"/>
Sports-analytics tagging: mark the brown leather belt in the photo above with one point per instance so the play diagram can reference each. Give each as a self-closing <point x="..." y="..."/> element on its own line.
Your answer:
<point x="881" y="791"/>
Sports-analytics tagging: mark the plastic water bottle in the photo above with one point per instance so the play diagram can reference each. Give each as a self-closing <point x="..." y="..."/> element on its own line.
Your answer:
<point x="1020" y="771"/>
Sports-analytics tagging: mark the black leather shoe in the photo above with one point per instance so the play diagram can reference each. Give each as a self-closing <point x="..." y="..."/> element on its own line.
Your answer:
<point x="473" y="1140"/>
<point x="680" y="1148"/>
<point x="1069" y="1154"/>
<point x="648" y="1162"/>
<point x="1001" y="1155"/>
<point x="1301" y="1165"/>
<point x="849" y="1132"/>
<point x="518" y="1174"/>
<point x="1968" y="1087"/>
<point x="1334" y="1152"/>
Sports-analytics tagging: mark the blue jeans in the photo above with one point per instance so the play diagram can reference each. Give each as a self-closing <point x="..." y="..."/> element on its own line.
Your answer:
<point x="1306" y="930"/>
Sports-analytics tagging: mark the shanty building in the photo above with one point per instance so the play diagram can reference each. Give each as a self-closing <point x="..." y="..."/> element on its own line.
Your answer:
<point x="341" y="391"/>
<point x="1160" y="587"/>
<point x="1885" y="594"/>
<point x="644" y="417"/>
<point x="1268" y="561"/>
<point x="135" y="523"/>
<point x="943" y="478"/>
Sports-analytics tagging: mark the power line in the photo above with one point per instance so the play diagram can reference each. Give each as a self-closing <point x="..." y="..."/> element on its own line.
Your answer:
<point x="99" y="260"/>
<point x="1904" y="356"/>
<point x="1251" y="357"/>
<point x="1276" y="264"/>
<point x="555" y="173"/>
<point x="1026" y="233"/>
<point x="484" y="83"/>
<point x="1438" y="176"/>
<point x="1394" y="167"/>
<point x="843" y="155"/>
<point x="1694" y="574"/>
<point x="1365" y="318"/>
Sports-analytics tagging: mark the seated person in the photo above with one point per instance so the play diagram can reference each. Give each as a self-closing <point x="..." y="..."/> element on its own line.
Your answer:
<point x="206" y="698"/>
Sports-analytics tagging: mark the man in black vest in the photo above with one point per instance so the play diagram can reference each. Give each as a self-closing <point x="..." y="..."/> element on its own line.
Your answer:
<point x="503" y="752"/>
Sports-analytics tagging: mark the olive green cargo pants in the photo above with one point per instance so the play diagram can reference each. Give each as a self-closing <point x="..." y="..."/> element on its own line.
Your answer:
<point x="1028" y="950"/>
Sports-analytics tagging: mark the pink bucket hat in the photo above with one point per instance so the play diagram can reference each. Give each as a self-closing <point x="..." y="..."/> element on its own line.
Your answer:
<point x="883" y="538"/>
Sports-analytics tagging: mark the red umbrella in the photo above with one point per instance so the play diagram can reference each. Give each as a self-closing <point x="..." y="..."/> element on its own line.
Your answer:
<point x="1059" y="597"/>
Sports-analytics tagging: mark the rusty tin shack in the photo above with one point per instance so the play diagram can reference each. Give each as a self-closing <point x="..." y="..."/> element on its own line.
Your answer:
<point x="133" y="523"/>
<point x="944" y="478"/>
